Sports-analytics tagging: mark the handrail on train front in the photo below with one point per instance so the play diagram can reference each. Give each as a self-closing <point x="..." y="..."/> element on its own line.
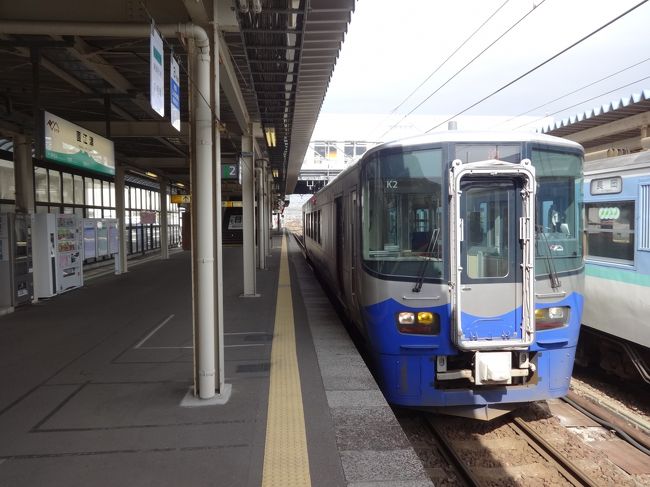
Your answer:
<point x="496" y="168"/>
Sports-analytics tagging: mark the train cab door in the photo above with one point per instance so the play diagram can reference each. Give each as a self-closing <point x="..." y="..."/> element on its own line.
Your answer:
<point x="492" y="237"/>
<point x="351" y="254"/>
<point x="340" y="247"/>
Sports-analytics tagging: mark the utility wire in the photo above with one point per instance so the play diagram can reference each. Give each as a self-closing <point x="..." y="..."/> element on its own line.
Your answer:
<point x="442" y="64"/>
<point x="584" y="101"/>
<point x="607" y="24"/>
<point x="463" y="68"/>
<point x="569" y="94"/>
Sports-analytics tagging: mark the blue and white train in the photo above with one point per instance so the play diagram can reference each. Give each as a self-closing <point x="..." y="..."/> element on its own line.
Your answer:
<point x="616" y="335"/>
<point x="459" y="257"/>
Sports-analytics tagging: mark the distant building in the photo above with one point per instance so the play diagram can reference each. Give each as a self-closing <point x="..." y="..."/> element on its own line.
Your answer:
<point x="325" y="159"/>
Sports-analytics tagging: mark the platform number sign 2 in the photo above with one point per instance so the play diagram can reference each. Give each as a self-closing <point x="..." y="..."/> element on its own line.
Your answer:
<point x="230" y="171"/>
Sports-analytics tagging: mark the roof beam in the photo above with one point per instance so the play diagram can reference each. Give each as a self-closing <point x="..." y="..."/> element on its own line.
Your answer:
<point x="145" y="128"/>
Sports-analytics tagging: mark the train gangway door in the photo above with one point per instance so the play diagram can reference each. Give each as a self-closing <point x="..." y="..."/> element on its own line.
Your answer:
<point x="492" y="210"/>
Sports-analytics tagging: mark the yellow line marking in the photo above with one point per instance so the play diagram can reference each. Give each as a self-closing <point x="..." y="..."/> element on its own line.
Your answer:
<point x="286" y="461"/>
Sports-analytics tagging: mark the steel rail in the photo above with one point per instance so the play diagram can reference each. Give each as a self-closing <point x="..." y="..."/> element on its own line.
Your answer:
<point x="446" y="449"/>
<point x="569" y="470"/>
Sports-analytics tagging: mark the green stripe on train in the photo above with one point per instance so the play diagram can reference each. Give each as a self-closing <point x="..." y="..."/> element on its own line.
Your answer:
<point x="616" y="274"/>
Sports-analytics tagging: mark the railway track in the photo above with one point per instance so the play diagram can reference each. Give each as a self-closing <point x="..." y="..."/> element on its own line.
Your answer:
<point x="537" y="458"/>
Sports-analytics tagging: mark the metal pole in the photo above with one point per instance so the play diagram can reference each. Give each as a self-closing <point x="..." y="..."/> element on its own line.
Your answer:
<point x="248" y="220"/>
<point x="121" y="265"/>
<point x="223" y="388"/>
<point x="164" y="226"/>
<point x="261" y="237"/>
<point x="202" y="188"/>
<point x="269" y="213"/>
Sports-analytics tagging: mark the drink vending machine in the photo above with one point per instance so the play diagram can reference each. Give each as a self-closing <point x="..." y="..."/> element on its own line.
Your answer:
<point x="58" y="254"/>
<point x="16" y="283"/>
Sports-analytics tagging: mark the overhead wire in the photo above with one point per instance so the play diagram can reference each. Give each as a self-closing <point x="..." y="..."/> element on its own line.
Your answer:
<point x="605" y="25"/>
<point x="569" y="94"/>
<point x="460" y="46"/>
<point x="463" y="68"/>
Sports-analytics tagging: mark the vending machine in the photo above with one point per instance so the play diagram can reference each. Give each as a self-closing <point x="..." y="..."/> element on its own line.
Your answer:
<point x="58" y="254"/>
<point x="16" y="279"/>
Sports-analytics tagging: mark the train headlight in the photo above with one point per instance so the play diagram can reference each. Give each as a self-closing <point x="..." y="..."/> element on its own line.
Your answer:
<point x="406" y="318"/>
<point x="420" y="323"/>
<point x="553" y="317"/>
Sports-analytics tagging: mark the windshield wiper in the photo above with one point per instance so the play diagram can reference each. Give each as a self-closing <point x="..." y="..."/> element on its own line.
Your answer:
<point x="423" y="266"/>
<point x="550" y="260"/>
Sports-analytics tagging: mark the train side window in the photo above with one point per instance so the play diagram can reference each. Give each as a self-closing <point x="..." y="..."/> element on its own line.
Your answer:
<point x="610" y="231"/>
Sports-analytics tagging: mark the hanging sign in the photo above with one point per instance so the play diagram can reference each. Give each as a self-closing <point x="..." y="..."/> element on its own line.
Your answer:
<point x="181" y="199"/>
<point x="230" y="171"/>
<point x="72" y="145"/>
<point x="175" y="94"/>
<point x="157" y="72"/>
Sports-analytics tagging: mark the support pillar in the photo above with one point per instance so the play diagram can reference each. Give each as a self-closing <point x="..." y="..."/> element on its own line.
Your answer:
<point x="164" y="225"/>
<point x="248" y="212"/>
<point x="223" y="388"/>
<point x="269" y="212"/>
<point x="261" y="214"/>
<point x="23" y="174"/>
<point x="121" y="263"/>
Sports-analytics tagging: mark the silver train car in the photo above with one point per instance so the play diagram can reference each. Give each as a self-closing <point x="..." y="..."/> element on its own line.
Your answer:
<point x="616" y="329"/>
<point x="458" y="256"/>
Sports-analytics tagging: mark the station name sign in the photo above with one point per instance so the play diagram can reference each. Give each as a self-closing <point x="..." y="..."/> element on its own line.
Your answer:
<point x="72" y="145"/>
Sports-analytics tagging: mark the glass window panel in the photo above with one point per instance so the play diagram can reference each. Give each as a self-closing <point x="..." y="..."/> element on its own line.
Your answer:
<point x="68" y="190"/>
<point x="68" y="210"/>
<point x="138" y="198"/>
<point x="89" y="191"/>
<point x="360" y="149"/>
<point x="402" y="213"/>
<point x="78" y="190"/>
<point x="7" y="182"/>
<point x="486" y="229"/>
<point x="97" y="191"/>
<point x="111" y="194"/>
<point x="106" y="194"/>
<point x="482" y="152"/>
<point x="42" y="209"/>
<point x="55" y="186"/>
<point x="558" y="219"/>
<point x="40" y="184"/>
<point x="610" y="231"/>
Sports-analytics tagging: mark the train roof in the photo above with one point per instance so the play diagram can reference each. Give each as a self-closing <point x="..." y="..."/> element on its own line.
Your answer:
<point x="628" y="162"/>
<point x="479" y="136"/>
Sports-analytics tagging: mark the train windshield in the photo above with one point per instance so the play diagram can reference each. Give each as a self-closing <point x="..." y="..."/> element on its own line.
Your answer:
<point x="402" y="213"/>
<point x="559" y="198"/>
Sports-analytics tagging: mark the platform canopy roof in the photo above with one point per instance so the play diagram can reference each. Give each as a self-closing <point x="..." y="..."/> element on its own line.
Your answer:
<point x="276" y="59"/>
<point x="620" y="124"/>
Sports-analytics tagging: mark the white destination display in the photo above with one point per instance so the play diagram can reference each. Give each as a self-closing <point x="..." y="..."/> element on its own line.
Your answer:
<point x="157" y="73"/>
<point x="175" y="94"/>
<point x="70" y="144"/>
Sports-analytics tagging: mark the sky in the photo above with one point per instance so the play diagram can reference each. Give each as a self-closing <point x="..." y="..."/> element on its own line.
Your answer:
<point x="393" y="47"/>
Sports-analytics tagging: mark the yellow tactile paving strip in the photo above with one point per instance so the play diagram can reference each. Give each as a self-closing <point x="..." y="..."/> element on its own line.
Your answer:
<point x="286" y="461"/>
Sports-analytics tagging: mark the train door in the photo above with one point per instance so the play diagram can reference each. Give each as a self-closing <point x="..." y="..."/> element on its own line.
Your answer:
<point x="340" y="239"/>
<point x="492" y="235"/>
<point x="352" y="250"/>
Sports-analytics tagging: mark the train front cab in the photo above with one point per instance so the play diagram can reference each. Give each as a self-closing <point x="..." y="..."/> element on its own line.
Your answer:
<point x="491" y="350"/>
